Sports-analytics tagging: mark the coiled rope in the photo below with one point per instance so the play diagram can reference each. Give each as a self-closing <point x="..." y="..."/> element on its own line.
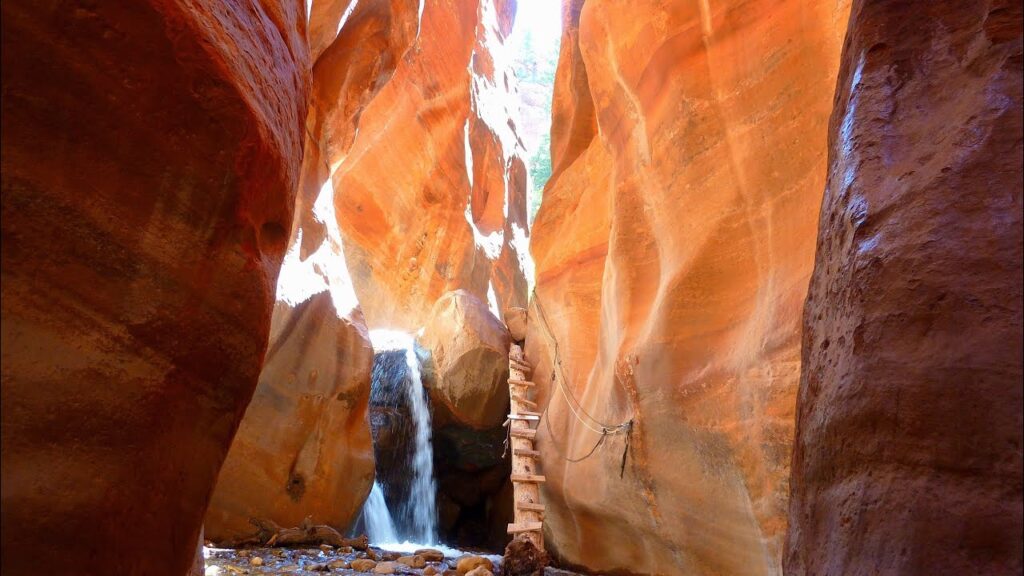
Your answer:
<point x="575" y="407"/>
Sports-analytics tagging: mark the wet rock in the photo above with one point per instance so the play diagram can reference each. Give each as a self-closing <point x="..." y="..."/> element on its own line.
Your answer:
<point x="416" y="561"/>
<point x="256" y="561"/>
<point x="479" y="571"/>
<point x="363" y="565"/>
<point x="468" y="349"/>
<point x="386" y="567"/>
<point x="430" y="555"/>
<point x="429" y="571"/>
<point x="338" y="564"/>
<point x="467" y="564"/>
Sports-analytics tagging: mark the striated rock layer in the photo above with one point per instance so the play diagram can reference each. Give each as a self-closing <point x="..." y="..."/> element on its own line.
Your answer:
<point x="908" y="454"/>
<point x="151" y="151"/>
<point x="673" y="249"/>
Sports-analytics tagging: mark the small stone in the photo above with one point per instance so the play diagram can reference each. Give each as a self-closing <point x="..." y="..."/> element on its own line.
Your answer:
<point x="430" y="555"/>
<point x="362" y="565"/>
<point x="386" y="568"/>
<point x="335" y="565"/>
<point x="243" y="553"/>
<point x="450" y="573"/>
<point x="479" y="571"/>
<point x="429" y="571"/>
<point x="390" y="555"/>
<point x="371" y="554"/>
<point x="467" y="564"/>
<point x="326" y="547"/>
<point x="256" y="561"/>
<point x="416" y="561"/>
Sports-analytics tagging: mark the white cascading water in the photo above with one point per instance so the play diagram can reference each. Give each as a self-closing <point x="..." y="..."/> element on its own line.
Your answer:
<point x="420" y="508"/>
<point x="380" y="527"/>
<point x="422" y="502"/>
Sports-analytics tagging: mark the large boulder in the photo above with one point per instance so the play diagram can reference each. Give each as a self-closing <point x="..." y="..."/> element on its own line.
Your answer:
<point x="909" y="431"/>
<point x="151" y="151"/>
<point x="303" y="448"/>
<point x="468" y="351"/>
<point x="673" y="248"/>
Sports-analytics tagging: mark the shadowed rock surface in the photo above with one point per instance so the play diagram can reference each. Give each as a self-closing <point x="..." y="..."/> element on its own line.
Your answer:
<point x="151" y="152"/>
<point x="908" y="454"/>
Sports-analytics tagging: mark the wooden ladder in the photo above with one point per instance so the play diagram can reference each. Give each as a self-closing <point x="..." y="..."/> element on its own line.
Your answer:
<point x="529" y="512"/>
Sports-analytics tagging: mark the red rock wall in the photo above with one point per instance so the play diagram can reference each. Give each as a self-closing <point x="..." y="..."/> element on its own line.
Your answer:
<point x="151" y="151"/>
<point x="673" y="249"/>
<point x="431" y="188"/>
<point x="908" y="453"/>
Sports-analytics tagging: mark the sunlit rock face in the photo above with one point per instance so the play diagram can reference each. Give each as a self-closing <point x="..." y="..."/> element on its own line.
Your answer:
<point x="468" y="362"/>
<point x="908" y="452"/>
<point x="673" y="249"/>
<point x="415" y="114"/>
<point x="151" y="151"/>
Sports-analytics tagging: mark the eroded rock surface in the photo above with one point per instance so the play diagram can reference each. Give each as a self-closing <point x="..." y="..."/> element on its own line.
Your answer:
<point x="468" y="349"/>
<point x="673" y="249"/>
<point x="908" y="454"/>
<point x="303" y="448"/>
<point x="432" y="185"/>
<point x="151" y="151"/>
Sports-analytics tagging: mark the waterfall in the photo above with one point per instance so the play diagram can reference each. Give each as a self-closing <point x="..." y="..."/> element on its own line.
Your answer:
<point x="422" y="502"/>
<point x="377" y="518"/>
<point x="407" y="491"/>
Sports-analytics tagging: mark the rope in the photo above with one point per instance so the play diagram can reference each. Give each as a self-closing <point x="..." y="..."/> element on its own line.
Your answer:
<point x="603" y="429"/>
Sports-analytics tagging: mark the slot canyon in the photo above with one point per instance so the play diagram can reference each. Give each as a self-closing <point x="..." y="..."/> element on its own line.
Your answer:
<point x="512" y="287"/>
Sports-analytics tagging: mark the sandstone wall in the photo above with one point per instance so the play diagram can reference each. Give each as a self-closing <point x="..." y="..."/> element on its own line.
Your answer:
<point x="673" y="249"/>
<point x="431" y="188"/>
<point x="909" y="431"/>
<point x="151" y="151"/>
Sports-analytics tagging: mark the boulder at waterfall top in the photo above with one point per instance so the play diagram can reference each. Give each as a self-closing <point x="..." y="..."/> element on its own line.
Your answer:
<point x="151" y="152"/>
<point x="303" y="448"/>
<point x="468" y="349"/>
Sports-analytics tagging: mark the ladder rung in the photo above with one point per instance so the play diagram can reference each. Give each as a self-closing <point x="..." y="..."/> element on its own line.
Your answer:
<point x="523" y="433"/>
<point x="520" y="365"/>
<point x="524" y="416"/>
<point x="530" y="506"/>
<point x="531" y="478"/>
<point x="525" y="452"/>
<point x="525" y="527"/>
<point x="529" y="403"/>
<point x="520" y="382"/>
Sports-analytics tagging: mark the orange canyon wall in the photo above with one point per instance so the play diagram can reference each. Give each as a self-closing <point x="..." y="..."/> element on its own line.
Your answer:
<point x="412" y="186"/>
<point x="673" y="250"/>
<point x="151" y="151"/>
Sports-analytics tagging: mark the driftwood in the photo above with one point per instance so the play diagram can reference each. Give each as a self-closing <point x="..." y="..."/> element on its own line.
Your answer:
<point x="270" y="534"/>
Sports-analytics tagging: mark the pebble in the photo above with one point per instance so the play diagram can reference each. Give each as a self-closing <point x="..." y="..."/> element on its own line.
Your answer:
<point x="386" y="568"/>
<point x="430" y="555"/>
<point x="256" y="561"/>
<point x="467" y="564"/>
<point x="362" y="565"/>
<point x="337" y="564"/>
<point x="479" y="571"/>
<point x="416" y="561"/>
<point x="429" y="571"/>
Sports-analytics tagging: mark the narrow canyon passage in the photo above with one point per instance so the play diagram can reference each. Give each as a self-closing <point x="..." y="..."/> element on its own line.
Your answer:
<point x="480" y="287"/>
